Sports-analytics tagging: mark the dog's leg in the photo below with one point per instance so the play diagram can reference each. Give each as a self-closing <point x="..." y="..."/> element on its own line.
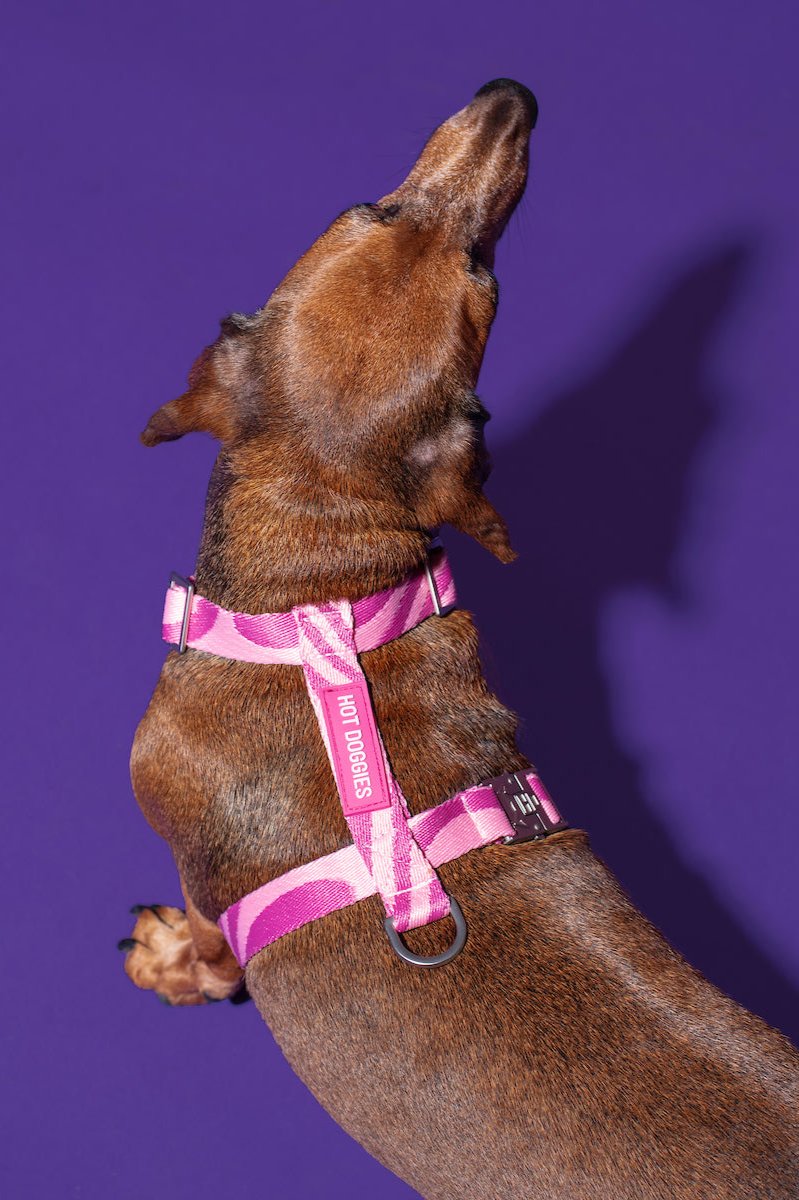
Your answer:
<point x="182" y="956"/>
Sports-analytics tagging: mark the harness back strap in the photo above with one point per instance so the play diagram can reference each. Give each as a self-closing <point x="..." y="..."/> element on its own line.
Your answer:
<point x="371" y="799"/>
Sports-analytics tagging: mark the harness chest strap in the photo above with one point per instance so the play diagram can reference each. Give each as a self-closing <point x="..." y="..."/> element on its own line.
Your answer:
<point x="467" y="821"/>
<point x="392" y="853"/>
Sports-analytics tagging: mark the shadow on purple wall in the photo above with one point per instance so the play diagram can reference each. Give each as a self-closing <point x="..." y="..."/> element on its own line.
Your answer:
<point x="595" y="495"/>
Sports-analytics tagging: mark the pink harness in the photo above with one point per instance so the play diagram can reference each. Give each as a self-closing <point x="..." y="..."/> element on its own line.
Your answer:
<point x="392" y="853"/>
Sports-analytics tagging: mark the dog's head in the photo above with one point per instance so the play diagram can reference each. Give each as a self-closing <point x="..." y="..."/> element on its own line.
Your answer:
<point x="361" y="367"/>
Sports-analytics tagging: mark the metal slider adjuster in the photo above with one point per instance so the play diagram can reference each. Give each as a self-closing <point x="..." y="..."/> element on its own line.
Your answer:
<point x="433" y="960"/>
<point x="189" y="586"/>
<point x="439" y="609"/>
<point x="524" y="809"/>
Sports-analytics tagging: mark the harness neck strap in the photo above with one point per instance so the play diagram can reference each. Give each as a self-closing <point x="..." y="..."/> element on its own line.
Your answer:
<point x="192" y="621"/>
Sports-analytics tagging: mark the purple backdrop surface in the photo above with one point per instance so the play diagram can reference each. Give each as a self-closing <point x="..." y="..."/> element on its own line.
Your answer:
<point x="165" y="164"/>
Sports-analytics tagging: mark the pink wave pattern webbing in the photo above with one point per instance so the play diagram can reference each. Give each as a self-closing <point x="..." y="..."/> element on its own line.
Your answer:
<point x="393" y="854"/>
<point x="410" y="889"/>
<point x="274" y="637"/>
<point x="467" y="821"/>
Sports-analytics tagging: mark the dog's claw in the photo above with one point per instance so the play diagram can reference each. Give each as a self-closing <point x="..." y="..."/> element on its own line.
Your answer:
<point x="137" y="908"/>
<point x="127" y="944"/>
<point x="164" y="999"/>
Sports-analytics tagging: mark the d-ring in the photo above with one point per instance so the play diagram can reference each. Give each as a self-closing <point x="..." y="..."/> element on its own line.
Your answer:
<point x="435" y="960"/>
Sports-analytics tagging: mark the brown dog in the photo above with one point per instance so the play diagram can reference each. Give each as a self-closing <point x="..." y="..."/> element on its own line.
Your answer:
<point x="568" y="1052"/>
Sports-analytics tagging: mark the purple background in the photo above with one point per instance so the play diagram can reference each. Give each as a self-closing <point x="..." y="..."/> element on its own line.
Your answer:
<point x="166" y="163"/>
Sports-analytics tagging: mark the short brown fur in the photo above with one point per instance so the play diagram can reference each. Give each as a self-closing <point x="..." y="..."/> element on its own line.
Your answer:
<point x="568" y="1052"/>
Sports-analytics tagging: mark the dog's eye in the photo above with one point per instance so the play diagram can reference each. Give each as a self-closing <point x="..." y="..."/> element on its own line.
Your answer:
<point x="383" y="212"/>
<point x="481" y="271"/>
<point x="474" y="410"/>
<point x="477" y="262"/>
<point x="374" y="212"/>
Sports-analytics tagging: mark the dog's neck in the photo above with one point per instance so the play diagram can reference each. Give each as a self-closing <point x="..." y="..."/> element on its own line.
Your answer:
<point x="260" y="552"/>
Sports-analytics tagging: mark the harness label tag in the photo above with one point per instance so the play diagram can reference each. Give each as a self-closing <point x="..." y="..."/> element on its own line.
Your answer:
<point x="355" y="747"/>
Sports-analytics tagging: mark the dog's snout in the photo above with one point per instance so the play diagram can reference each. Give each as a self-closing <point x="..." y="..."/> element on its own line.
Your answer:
<point x="511" y="87"/>
<point x="473" y="168"/>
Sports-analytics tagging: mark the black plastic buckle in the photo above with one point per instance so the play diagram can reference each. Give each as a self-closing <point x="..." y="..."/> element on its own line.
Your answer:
<point x="522" y="803"/>
<point x="188" y="584"/>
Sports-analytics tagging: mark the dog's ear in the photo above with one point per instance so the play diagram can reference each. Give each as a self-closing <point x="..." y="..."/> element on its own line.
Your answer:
<point x="209" y="405"/>
<point x="480" y="520"/>
<point x="449" y="469"/>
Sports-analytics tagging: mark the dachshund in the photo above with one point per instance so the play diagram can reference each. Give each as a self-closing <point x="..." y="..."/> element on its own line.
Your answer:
<point x="568" y="1053"/>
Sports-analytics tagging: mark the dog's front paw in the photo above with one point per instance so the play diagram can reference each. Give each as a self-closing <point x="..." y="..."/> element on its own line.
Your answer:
<point x="161" y="956"/>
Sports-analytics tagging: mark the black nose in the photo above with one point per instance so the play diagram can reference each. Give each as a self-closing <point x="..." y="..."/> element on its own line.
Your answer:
<point x="511" y="85"/>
